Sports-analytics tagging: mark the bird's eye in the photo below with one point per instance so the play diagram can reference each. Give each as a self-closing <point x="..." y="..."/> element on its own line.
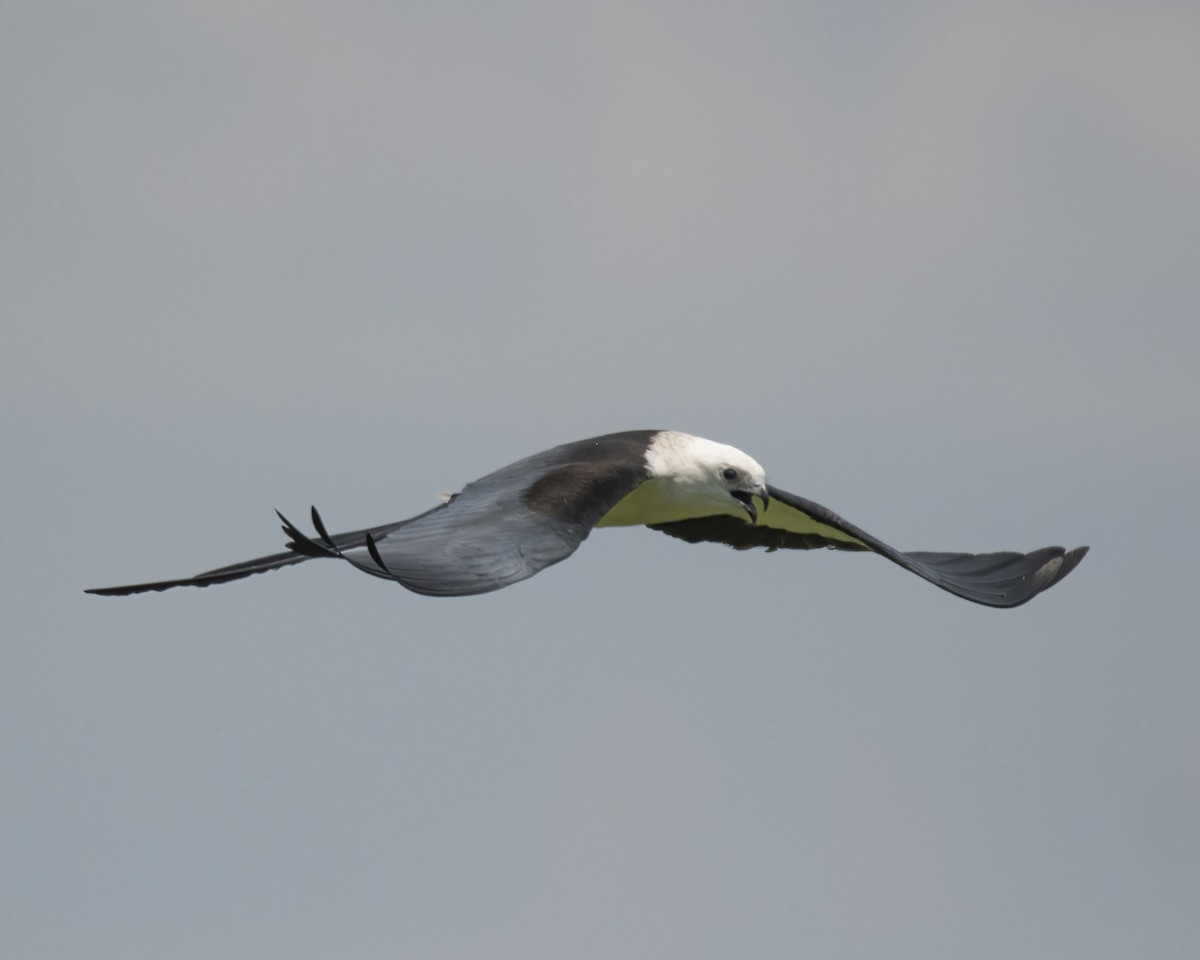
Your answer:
<point x="729" y="473"/>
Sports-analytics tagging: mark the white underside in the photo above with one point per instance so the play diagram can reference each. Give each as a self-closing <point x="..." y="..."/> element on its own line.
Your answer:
<point x="661" y="501"/>
<point x="683" y="485"/>
<point x="650" y="503"/>
<point x="684" y="482"/>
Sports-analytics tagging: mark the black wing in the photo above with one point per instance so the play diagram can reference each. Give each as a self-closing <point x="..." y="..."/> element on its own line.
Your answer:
<point x="791" y="522"/>
<point x="499" y="530"/>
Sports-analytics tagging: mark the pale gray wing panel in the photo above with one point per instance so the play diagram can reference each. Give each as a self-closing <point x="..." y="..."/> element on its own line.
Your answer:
<point x="504" y="527"/>
<point x="468" y="548"/>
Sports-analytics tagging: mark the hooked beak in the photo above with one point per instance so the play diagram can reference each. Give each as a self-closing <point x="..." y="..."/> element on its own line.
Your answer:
<point x="747" y="500"/>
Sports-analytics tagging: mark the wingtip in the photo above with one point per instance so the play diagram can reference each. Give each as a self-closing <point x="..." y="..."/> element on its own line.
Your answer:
<point x="1053" y="571"/>
<point x="1071" y="559"/>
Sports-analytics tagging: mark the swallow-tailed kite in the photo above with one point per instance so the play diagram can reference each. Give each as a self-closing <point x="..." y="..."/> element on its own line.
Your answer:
<point x="513" y="523"/>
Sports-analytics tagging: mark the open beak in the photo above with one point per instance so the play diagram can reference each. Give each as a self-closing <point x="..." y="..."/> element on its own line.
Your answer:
<point x="747" y="501"/>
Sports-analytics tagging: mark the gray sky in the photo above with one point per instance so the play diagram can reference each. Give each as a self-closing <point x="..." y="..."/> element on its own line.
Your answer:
<point x="934" y="266"/>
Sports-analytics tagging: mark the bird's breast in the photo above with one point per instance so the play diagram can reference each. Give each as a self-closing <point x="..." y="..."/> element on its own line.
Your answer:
<point x="661" y="501"/>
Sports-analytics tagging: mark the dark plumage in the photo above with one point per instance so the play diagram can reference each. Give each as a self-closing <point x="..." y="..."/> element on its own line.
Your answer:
<point x="512" y="523"/>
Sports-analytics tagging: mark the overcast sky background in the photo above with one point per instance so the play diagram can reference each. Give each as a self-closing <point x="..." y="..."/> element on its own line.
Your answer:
<point x="936" y="266"/>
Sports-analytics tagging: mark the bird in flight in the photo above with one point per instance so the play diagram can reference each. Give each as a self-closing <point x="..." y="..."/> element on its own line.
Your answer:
<point x="513" y="523"/>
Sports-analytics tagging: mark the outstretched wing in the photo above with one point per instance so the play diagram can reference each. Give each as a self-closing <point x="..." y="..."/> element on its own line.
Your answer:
<point x="994" y="579"/>
<point x="499" y="530"/>
<point x="511" y="524"/>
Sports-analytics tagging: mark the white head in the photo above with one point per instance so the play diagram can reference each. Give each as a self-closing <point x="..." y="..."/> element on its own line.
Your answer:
<point x="709" y="474"/>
